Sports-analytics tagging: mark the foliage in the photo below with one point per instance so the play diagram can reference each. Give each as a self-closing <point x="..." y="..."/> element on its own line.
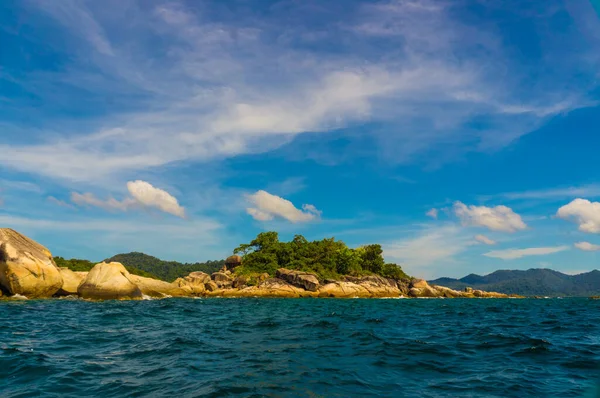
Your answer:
<point x="75" y="264"/>
<point x="164" y="270"/>
<point x="328" y="258"/>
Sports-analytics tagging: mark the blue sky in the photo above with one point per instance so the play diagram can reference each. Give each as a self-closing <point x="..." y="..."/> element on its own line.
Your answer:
<point x="461" y="135"/>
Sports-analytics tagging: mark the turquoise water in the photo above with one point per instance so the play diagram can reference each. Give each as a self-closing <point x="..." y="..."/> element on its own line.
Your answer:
<point x="304" y="347"/>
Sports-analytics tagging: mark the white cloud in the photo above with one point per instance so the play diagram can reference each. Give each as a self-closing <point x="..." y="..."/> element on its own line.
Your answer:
<point x="587" y="246"/>
<point x="484" y="239"/>
<point x="267" y="207"/>
<point x="149" y="196"/>
<point x="584" y="213"/>
<point x="498" y="218"/>
<point x="555" y="193"/>
<point x="433" y="213"/>
<point x="143" y="195"/>
<point x="511" y="254"/>
<point x="221" y="89"/>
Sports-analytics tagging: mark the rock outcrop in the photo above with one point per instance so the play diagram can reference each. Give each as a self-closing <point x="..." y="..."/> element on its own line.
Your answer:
<point x="157" y="288"/>
<point x="221" y="279"/>
<point x="71" y="281"/>
<point x="26" y="267"/>
<point x="194" y="284"/>
<point x="109" y="281"/>
<point x="272" y="287"/>
<point x="301" y="279"/>
<point x="233" y="261"/>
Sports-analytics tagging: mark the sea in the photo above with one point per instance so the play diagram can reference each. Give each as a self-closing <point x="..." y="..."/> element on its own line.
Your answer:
<point x="258" y="347"/>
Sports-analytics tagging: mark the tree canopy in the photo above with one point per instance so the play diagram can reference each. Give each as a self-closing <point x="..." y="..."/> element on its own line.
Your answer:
<point x="328" y="258"/>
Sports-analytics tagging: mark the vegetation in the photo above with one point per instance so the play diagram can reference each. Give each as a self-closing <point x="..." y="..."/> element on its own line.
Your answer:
<point x="328" y="258"/>
<point x="75" y="264"/>
<point x="164" y="270"/>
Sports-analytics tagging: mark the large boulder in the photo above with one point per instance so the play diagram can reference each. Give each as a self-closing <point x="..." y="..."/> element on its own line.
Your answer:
<point x="109" y="281"/>
<point x="26" y="267"/>
<point x="301" y="279"/>
<point x="420" y="288"/>
<point x="343" y="289"/>
<point x="380" y="287"/>
<point x="272" y="287"/>
<point x="194" y="283"/>
<point x="233" y="261"/>
<point x="157" y="288"/>
<point x="222" y="279"/>
<point x="71" y="281"/>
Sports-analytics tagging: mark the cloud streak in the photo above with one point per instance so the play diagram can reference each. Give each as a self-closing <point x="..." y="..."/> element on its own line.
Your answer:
<point x="143" y="195"/>
<point x="512" y="254"/>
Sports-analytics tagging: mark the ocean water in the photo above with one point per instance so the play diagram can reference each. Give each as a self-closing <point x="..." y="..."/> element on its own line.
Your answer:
<point x="300" y="347"/>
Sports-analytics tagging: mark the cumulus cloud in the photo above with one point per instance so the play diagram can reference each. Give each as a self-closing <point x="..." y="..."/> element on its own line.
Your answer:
<point x="267" y="207"/>
<point x="499" y="218"/>
<point x="587" y="246"/>
<point x="433" y="213"/>
<point x="584" y="213"/>
<point x="143" y="194"/>
<point x="511" y="254"/>
<point x="149" y="196"/>
<point x="484" y="239"/>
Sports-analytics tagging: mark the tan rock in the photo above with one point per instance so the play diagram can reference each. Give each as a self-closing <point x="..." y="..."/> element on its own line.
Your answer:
<point x="222" y="279"/>
<point x="157" y="288"/>
<point x="272" y="287"/>
<point x="108" y="281"/>
<point x="233" y="261"/>
<point x="419" y="283"/>
<point x="211" y="286"/>
<point x="301" y="279"/>
<point x="194" y="283"/>
<point x="26" y="267"/>
<point x="343" y="289"/>
<point x="71" y="281"/>
<point x="378" y="286"/>
<point x="240" y="282"/>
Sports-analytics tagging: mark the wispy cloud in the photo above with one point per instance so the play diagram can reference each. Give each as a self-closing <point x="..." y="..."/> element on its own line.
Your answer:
<point x="511" y="254"/>
<point x="554" y="193"/>
<point x="218" y="89"/>
<point x="143" y="194"/>
<point x="484" y="239"/>
<point x="587" y="246"/>
<point x="432" y="249"/>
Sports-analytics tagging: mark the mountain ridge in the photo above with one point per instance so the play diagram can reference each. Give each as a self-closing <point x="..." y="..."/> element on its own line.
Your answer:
<point x="531" y="282"/>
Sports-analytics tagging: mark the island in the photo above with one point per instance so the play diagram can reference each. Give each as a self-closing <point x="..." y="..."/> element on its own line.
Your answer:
<point x="265" y="267"/>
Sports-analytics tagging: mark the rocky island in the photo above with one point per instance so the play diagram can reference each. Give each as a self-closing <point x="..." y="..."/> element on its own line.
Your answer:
<point x="28" y="269"/>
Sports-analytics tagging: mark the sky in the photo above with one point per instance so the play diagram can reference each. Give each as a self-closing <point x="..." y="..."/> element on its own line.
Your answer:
<point x="462" y="136"/>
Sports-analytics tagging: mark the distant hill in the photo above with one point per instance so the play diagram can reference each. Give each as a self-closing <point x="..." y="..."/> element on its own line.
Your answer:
<point x="165" y="270"/>
<point x="76" y="264"/>
<point x="533" y="282"/>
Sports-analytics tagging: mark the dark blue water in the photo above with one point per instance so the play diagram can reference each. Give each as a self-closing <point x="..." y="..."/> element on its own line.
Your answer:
<point x="304" y="347"/>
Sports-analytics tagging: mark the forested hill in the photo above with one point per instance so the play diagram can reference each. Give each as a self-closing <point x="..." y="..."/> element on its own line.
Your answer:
<point x="533" y="282"/>
<point x="165" y="270"/>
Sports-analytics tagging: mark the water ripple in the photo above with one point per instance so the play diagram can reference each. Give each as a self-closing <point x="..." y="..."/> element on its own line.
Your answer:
<point x="307" y="348"/>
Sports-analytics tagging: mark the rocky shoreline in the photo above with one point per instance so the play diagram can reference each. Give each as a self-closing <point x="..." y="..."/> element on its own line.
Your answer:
<point x="28" y="269"/>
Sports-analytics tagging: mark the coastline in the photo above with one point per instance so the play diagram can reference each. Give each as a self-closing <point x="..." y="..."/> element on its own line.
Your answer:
<point x="27" y="269"/>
